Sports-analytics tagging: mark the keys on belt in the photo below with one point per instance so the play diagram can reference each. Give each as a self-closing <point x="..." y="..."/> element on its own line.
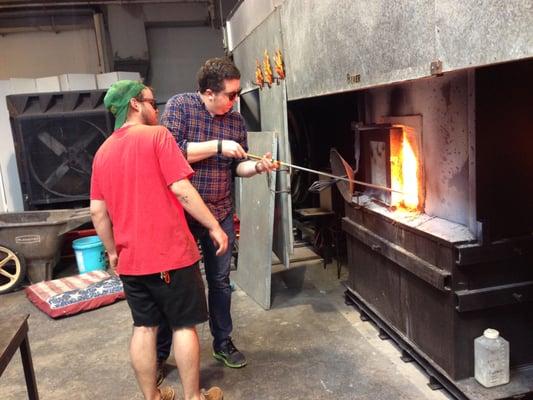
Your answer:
<point x="165" y="277"/>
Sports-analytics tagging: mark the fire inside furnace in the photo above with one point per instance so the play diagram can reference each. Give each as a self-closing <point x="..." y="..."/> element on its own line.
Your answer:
<point x="404" y="170"/>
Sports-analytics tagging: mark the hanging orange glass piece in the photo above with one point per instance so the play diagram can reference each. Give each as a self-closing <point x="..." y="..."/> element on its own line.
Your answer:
<point x="267" y="69"/>
<point x="278" y="64"/>
<point x="259" y="79"/>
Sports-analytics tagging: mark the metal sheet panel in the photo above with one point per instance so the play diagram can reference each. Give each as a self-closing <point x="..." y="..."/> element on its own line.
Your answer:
<point x="254" y="265"/>
<point x="473" y="33"/>
<point x="274" y="117"/>
<point x="373" y="41"/>
<point x="273" y="110"/>
<point x="245" y="18"/>
<point x="267" y="36"/>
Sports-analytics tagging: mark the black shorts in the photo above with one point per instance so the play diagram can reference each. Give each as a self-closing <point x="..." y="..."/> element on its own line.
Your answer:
<point x="181" y="302"/>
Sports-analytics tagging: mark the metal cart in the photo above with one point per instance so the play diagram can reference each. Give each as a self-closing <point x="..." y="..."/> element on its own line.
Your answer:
<point x="30" y="243"/>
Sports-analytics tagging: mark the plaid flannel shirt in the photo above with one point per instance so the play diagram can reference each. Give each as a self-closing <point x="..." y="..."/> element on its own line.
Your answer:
<point x="188" y="120"/>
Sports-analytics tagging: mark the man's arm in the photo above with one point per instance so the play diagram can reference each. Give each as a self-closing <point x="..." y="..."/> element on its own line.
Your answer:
<point x="195" y="206"/>
<point x="175" y="119"/>
<point x="247" y="169"/>
<point x="197" y="151"/>
<point x="104" y="229"/>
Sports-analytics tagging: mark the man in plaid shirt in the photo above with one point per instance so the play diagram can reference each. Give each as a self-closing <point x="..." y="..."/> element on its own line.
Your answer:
<point x="213" y="139"/>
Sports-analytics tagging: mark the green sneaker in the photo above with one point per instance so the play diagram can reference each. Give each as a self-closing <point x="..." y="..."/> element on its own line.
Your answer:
<point x="229" y="355"/>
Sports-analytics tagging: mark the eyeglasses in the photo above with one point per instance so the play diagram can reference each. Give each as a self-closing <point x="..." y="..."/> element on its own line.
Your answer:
<point x="152" y="102"/>
<point x="231" y="96"/>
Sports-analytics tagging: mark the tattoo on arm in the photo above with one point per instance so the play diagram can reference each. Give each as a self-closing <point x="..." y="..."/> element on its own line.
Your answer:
<point x="184" y="199"/>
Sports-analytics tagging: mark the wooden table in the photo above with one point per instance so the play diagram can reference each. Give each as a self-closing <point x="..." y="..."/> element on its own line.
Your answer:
<point x="13" y="336"/>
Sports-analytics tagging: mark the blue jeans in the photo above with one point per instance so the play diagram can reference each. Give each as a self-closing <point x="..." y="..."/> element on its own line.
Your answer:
<point x="217" y="271"/>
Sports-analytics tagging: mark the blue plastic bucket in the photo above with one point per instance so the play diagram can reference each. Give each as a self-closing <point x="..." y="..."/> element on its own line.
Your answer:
<point x="90" y="254"/>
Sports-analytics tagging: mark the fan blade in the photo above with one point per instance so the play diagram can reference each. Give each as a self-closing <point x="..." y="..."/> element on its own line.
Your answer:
<point x="52" y="143"/>
<point x="84" y="141"/>
<point x="57" y="175"/>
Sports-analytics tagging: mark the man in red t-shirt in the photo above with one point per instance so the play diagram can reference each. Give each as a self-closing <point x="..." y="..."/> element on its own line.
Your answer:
<point x="139" y="191"/>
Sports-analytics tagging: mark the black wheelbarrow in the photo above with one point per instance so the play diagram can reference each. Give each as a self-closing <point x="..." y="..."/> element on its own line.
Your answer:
<point x="30" y="243"/>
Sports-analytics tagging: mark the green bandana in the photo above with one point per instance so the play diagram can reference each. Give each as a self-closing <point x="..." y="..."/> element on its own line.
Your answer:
<point x="118" y="97"/>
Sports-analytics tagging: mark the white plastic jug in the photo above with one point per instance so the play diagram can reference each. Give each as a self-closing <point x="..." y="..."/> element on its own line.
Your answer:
<point x="491" y="359"/>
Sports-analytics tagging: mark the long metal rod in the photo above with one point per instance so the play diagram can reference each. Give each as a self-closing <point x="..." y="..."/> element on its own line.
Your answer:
<point x="342" y="178"/>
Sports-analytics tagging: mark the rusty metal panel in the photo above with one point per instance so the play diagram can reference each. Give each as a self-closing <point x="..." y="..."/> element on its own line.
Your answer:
<point x="377" y="281"/>
<point x="254" y="264"/>
<point x="428" y="316"/>
<point x="442" y="106"/>
<point x="336" y="46"/>
<point x="410" y="262"/>
<point x="273" y="111"/>
<point x="475" y="33"/>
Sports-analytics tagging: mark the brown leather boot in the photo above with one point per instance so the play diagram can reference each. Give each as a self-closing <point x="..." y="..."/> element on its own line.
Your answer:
<point x="167" y="393"/>
<point x="214" y="393"/>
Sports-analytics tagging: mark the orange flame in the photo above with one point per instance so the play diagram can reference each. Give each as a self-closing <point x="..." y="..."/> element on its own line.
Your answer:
<point x="404" y="174"/>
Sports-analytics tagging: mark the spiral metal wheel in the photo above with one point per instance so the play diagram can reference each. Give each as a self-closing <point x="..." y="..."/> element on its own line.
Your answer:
<point x="12" y="270"/>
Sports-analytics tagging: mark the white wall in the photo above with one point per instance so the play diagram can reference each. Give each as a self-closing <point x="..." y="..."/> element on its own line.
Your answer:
<point x="38" y="54"/>
<point x="10" y="190"/>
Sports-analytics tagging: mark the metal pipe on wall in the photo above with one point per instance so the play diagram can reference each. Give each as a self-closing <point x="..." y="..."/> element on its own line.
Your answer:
<point x="101" y="42"/>
<point x="92" y="2"/>
<point x="3" y="197"/>
<point x="35" y="19"/>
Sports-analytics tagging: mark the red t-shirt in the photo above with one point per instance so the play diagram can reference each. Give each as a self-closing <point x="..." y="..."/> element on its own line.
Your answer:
<point x="132" y="172"/>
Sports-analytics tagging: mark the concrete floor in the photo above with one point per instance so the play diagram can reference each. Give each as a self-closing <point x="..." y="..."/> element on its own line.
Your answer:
<point x="310" y="345"/>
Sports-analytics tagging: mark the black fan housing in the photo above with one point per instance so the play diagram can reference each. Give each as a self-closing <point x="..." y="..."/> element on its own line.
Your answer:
<point x="56" y="136"/>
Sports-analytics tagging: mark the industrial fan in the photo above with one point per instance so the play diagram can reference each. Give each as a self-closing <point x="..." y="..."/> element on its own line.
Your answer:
<point x="55" y="149"/>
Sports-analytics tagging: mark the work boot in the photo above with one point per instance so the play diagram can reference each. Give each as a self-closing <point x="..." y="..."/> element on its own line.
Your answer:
<point x="167" y="393"/>
<point x="215" y="393"/>
<point x="160" y="372"/>
<point x="230" y="355"/>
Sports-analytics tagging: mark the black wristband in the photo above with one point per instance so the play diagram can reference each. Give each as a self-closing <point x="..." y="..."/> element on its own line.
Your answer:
<point x="219" y="146"/>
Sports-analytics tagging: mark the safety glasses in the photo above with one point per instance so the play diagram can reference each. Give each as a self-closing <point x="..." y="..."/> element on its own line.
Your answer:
<point x="231" y="96"/>
<point x="152" y="102"/>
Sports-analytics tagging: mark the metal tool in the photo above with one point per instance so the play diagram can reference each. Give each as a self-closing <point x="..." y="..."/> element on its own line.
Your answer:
<point x="254" y="157"/>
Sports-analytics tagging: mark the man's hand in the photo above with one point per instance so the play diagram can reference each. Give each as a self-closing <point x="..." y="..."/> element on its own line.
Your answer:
<point x="104" y="228"/>
<point x="267" y="164"/>
<point x="113" y="262"/>
<point x="220" y="239"/>
<point x="232" y="149"/>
